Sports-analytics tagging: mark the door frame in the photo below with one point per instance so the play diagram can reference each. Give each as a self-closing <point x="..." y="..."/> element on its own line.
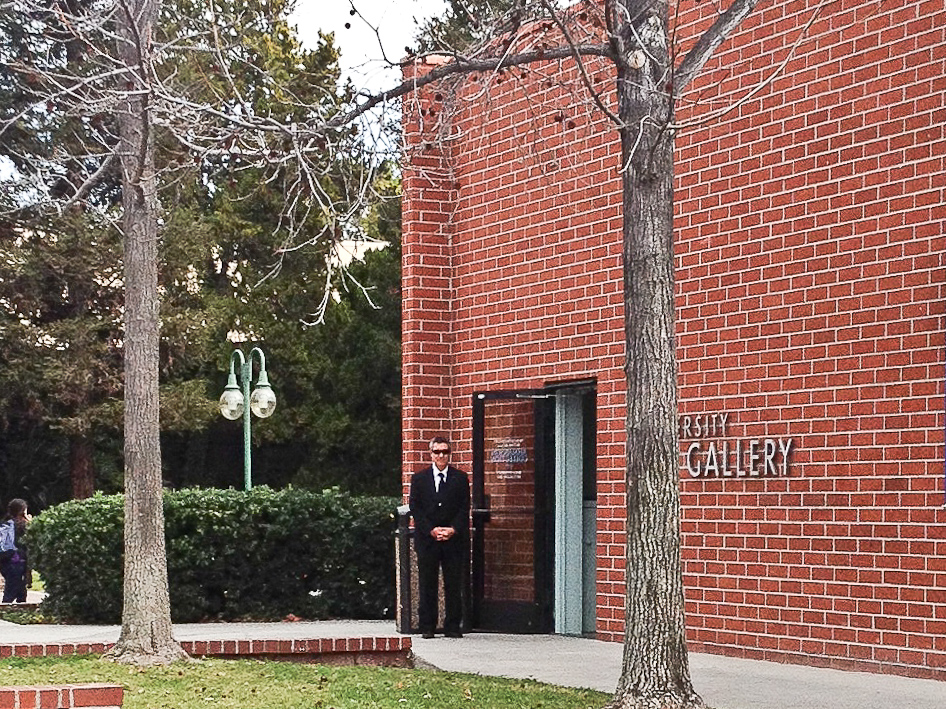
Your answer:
<point x="537" y="617"/>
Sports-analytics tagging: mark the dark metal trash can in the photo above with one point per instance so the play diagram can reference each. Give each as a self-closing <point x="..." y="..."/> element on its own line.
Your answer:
<point x="406" y="581"/>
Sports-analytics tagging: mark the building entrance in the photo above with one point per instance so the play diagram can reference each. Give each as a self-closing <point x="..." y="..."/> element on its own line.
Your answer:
<point x="533" y="492"/>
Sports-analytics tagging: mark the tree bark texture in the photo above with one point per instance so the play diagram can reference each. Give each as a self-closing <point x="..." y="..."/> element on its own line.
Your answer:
<point x="81" y="467"/>
<point x="656" y="667"/>
<point x="146" y="635"/>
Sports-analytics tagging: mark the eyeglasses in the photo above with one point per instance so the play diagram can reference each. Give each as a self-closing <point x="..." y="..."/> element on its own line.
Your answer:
<point x="440" y="451"/>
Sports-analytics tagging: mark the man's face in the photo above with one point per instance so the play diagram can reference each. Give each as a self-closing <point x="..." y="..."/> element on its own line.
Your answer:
<point x="440" y="455"/>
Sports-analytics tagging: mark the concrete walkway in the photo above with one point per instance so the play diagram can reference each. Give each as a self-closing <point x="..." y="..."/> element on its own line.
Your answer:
<point x="725" y="683"/>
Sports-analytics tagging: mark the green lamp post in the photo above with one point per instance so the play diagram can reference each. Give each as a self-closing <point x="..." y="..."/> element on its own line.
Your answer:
<point x="233" y="401"/>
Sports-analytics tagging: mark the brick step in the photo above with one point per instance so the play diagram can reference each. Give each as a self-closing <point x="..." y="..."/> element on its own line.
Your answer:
<point x="392" y="651"/>
<point x="62" y="696"/>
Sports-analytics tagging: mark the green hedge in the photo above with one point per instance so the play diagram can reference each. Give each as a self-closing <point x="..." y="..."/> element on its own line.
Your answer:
<point x="232" y="555"/>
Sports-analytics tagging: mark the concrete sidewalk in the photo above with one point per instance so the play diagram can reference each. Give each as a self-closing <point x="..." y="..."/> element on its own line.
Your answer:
<point x="725" y="683"/>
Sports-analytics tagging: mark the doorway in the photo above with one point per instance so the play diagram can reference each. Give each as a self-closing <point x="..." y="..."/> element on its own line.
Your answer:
<point x="534" y="510"/>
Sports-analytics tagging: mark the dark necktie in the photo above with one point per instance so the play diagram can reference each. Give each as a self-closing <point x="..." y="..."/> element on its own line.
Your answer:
<point x="440" y="484"/>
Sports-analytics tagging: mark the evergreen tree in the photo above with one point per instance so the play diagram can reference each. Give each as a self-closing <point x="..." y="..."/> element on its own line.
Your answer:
<point x="466" y="23"/>
<point x="60" y="335"/>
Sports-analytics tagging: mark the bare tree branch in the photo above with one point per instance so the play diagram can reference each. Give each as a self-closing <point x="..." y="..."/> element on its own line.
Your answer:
<point x="464" y="65"/>
<point x="775" y="73"/>
<point x="710" y="40"/>
<point x="595" y="95"/>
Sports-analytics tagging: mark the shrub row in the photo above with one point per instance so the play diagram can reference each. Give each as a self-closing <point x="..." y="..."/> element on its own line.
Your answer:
<point x="258" y="555"/>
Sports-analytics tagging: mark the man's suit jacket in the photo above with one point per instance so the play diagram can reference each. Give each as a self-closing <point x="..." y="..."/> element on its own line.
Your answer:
<point x="450" y="507"/>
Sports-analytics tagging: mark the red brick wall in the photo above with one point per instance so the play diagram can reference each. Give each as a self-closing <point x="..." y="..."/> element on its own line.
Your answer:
<point x="810" y="263"/>
<point x="811" y="299"/>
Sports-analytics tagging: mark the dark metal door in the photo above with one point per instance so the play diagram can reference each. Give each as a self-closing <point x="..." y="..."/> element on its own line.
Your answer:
<point x="511" y="563"/>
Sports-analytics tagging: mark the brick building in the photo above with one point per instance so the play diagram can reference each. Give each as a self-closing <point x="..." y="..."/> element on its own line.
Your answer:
<point x="810" y="304"/>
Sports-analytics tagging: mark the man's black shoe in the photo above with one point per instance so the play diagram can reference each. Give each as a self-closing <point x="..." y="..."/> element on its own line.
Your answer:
<point x="453" y="634"/>
<point x="428" y="635"/>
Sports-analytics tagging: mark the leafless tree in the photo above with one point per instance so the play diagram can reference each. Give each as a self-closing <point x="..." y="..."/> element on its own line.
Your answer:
<point x="146" y="613"/>
<point x="85" y="72"/>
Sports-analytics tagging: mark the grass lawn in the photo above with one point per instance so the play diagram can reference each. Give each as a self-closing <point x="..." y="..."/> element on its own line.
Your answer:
<point x="250" y="684"/>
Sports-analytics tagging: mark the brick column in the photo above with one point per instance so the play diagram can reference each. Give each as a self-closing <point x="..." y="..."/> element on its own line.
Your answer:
<point x="427" y="296"/>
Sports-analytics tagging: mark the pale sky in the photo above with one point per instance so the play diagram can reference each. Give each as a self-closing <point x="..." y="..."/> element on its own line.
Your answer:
<point x="359" y="46"/>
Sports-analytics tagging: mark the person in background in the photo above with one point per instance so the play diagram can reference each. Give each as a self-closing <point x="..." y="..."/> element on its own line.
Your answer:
<point x="440" y="505"/>
<point x="17" y="575"/>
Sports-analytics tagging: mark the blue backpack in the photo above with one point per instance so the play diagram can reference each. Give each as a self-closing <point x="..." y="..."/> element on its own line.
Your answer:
<point x="7" y="540"/>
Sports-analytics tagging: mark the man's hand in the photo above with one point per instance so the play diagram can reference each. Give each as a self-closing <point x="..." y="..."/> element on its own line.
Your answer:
<point x="442" y="534"/>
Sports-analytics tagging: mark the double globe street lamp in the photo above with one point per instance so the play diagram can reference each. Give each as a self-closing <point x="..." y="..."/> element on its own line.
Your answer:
<point x="233" y="400"/>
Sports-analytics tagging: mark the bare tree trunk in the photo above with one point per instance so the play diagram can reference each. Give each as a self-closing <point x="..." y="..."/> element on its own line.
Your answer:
<point x="656" y="667"/>
<point x="146" y="635"/>
<point x="81" y="468"/>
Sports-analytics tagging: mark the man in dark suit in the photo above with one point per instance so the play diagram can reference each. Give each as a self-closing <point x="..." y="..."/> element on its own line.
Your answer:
<point x="440" y="505"/>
